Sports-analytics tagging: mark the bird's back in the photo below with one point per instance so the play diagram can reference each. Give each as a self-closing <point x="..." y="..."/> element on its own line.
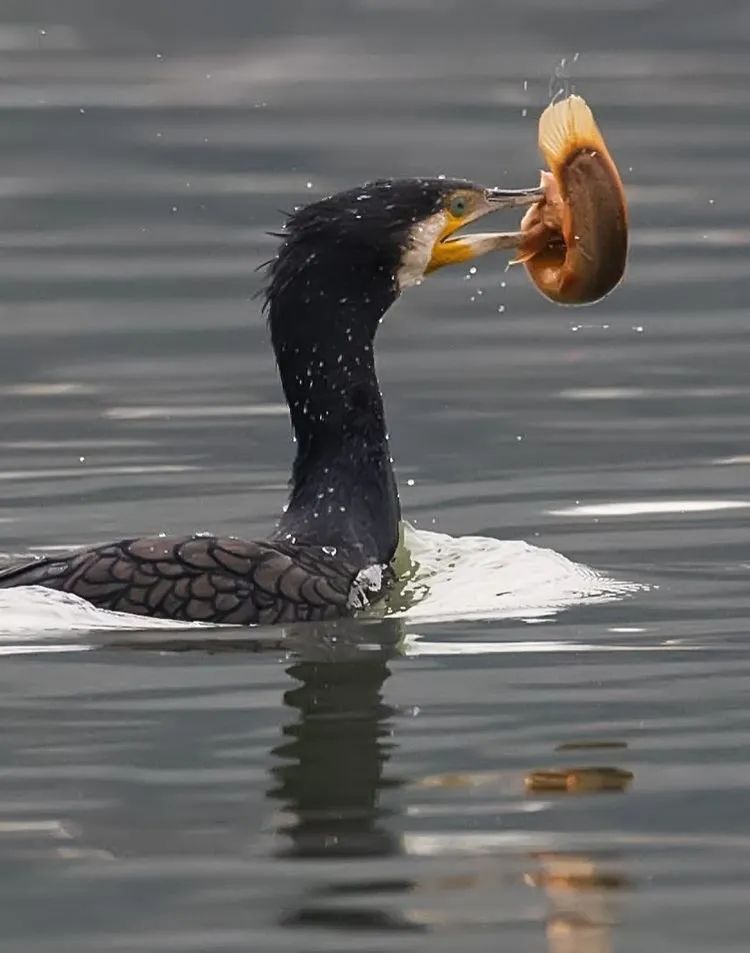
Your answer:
<point x="202" y="579"/>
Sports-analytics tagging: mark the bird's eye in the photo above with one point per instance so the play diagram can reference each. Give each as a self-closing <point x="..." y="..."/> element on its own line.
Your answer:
<point x="459" y="206"/>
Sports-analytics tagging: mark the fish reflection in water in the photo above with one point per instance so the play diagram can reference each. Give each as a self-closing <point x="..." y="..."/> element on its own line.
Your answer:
<point x="581" y="892"/>
<point x="581" y="888"/>
<point x="579" y="780"/>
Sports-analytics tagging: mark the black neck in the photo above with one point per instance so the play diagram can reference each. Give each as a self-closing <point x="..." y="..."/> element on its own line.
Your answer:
<point x="343" y="490"/>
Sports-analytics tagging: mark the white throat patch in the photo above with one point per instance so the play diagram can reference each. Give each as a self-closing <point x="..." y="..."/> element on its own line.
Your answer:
<point x="418" y="253"/>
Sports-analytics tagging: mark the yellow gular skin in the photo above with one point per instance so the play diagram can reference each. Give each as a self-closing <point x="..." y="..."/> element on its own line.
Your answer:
<point x="450" y="253"/>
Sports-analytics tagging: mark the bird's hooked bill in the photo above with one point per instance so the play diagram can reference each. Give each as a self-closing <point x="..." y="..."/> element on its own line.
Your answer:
<point x="449" y="244"/>
<point x="514" y="198"/>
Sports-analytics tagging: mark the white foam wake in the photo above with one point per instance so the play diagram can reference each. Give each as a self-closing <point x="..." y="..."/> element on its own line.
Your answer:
<point x="454" y="578"/>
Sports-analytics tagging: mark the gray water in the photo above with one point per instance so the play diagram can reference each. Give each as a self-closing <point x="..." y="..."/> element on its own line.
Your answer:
<point x="342" y="791"/>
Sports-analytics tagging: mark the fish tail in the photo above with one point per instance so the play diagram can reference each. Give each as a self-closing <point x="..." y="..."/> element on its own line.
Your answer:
<point x="565" y="128"/>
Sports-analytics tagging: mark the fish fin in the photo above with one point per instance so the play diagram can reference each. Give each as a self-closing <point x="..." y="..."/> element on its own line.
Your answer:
<point x="526" y="254"/>
<point x="566" y="127"/>
<point x="523" y="257"/>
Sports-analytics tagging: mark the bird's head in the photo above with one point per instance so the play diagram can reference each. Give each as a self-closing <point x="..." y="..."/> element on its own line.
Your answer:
<point x="388" y="235"/>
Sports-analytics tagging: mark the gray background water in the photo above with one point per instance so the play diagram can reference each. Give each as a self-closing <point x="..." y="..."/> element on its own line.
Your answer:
<point x="251" y="801"/>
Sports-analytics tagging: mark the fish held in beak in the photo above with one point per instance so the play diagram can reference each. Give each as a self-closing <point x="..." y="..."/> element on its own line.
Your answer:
<point x="575" y="242"/>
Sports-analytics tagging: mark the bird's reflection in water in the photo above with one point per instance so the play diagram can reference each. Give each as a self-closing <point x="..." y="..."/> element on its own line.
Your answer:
<point x="332" y="770"/>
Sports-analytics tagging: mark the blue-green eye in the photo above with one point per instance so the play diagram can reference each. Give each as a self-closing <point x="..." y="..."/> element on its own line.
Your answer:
<point x="459" y="206"/>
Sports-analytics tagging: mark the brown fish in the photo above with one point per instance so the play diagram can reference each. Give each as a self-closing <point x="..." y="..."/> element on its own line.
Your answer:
<point x="575" y="241"/>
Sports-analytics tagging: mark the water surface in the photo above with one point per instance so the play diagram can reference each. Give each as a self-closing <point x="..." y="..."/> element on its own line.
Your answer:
<point x="364" y="787"/>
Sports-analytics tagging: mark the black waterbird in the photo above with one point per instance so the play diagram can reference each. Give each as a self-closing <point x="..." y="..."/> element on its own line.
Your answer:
<point x="341" y="264"/>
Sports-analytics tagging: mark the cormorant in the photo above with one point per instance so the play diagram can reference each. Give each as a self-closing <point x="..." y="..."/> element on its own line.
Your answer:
<point x="341" y="264"/>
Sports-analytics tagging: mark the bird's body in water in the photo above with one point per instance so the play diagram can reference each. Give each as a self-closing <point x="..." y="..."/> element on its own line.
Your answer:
<point x="342" y="262"/>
